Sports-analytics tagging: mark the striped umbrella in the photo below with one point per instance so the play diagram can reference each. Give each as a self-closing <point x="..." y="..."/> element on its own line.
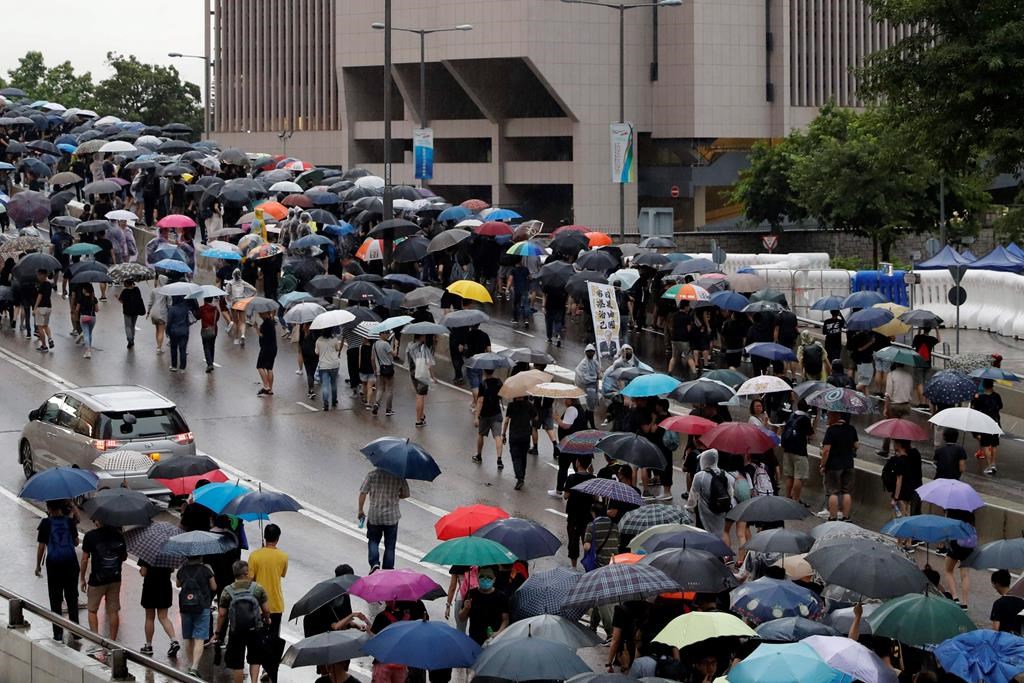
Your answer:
<point x="543" y="593"/>
<point x="616" y="583"/>
<point x="526" y="248"/>
<point x="582" y="442"/>
<point x="635" y="521"/>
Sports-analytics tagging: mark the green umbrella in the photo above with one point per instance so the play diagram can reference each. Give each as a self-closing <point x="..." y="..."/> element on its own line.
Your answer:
<point x="470" y="551"/>
<point x="897" y="354"/>
<point x="82" y="249"/>
<point x="920" y="619"/>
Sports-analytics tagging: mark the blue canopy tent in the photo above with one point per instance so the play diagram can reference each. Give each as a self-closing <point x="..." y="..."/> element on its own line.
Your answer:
<point x="944" y="259"/>
<point x="1015" y="250"/>
<point x="998" y="259"/>
<point x="969" y="255"/>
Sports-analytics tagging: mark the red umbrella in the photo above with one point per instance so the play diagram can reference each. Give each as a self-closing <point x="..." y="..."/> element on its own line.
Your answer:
<point x="465" y="520"/>
<point x="898" y="429"/>
<point x="299" y="200"/>
<point x="475" y="205"/>
<point x="572" y="228"/>
<point x="183" y="486"/>
<point x="493" y="229"/>
<point x="688" y="424"/>
<point x="738" y="437"/>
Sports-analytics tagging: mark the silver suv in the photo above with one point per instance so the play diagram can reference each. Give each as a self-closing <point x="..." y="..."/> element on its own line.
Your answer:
<point x="76" y="426"/>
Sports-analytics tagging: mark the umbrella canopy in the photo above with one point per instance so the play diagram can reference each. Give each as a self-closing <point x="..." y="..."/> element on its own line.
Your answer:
<point x="689" y="538"/>
<point x="120" y="507"/>
<point x="771" y="295"/>
<point x="526" y="538"/>
<point x="521" y="383"/>
<point x="696" y="627"/>
<point x="693" y="570"/>
<point x="196" y="543"/>
<point x="828" y="303"/>
<point x="423" y="645"/>
<point x="768" y="509"/>
<point x="543" y="592"/>
<point x="898" y="429"/>
<point x="526" y="355"/>
<point x="59" y="483"/>
<point x="1007" y="553"/>
<point x="865" y="299"/>
<point x="785" y="541"/>
<point x="468" y="289"/>
<point x="920" y="619"/>
<point x="447" y="239"/>
<point x="643" y="518"/>
<point x="766" y="599"/>
<point x="183" y="466"/>
<point x="614" y="583"/>
<point x="770" y="351"/>
<point x="966" y="420"/>
<point x="634" y="449"/>
<point x="879" y="572"/>
<point x="703" y="392"/>
<point x="930" y="529"/>
<point x="898" y="354"/>
<point x="551" y="627"/>
<point x="423" y="296"/>
<point x="465" y="318"/>
<point x="326" y="648"/>
<point x="868" y="319"/>
<point x="557" y="390"/>
<point x="763" y="384"/>
<point x="851" y="658"/>
<point x="330" y="319"/>
<point x="688" y="424"/>
<point x="792" y="629"/>
<point x="322" y="594"/>
<point x="178" y="289"/>
<point x="172" y="266"/>
<point x="738" y="437"/>
<point x="729" y="301"/>
<point x="146" y="543"/>
<point x="920" y="318"/>
<point x="489" y="361"/>
<point x="841" y="400"/>
<point x="324" y="286"/>
<point x="654" y="384"/>
<point x="30" y="264"/>
<point x="262" y="503"/>
<point x="427" y="328"/>
<point x="610" y="489"/>
<point x="950" y="494"/>
<point x="131" y="271"/>
<point x="470" y="551"/>
<point x="123" y="461"/>
<point x="303" y="313"/>
<point x="463" y="521"/>
<point x="983" y="655"/>
<point x="529" y="659"/>
<point x="787" y="663"/>
<point x="402" y="458"/>
<point x="393" y="584"/>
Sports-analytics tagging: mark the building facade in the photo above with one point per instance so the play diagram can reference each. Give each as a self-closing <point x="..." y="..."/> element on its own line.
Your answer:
<point x="521" y="105"/>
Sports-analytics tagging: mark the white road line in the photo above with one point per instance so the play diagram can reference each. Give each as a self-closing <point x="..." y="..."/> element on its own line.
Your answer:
<point x="525" y="334"/>
<point x="556" y="512"/>
<point x="308" y="407"/>
<point x="432" y="509"/>
<point x="37" y="371"/>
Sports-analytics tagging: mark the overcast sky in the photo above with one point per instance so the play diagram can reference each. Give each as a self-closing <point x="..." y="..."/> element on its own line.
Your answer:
<point x="83" y="32"/>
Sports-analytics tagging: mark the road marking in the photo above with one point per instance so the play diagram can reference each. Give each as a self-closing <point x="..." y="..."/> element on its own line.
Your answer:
<point x="525" y="334"/>
<point x="556" y="512"/>
<point x="308" y="407"/>
<point x="37" y="371"/>
<point x="432" y="509"/>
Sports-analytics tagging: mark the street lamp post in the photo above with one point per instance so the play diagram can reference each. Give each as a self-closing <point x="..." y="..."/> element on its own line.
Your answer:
<point x="621" y="9"/>
<point x="207" y="67"/>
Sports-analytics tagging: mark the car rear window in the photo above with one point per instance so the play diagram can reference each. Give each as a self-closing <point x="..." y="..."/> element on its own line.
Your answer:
<point x="149" y="424"/>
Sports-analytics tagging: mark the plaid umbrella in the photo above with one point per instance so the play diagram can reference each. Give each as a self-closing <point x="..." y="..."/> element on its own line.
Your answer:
<point x="123" y="461"/>
<point x="635" y="521"/>
<point x="543" y="593"/>
<point x="610" y="490"/>
<point x="147" y="543"/>
<point x="615" y="583"/>
<point x="582" y="442"/>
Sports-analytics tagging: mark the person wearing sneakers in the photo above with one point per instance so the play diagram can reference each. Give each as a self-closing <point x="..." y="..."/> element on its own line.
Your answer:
<point x="157" y="597"/>
<point x="86" y="308"/>
<point x="487" y="416"/>
<point x="328" y="352"/>
<point x="41" y="310"/>
<point x="237" y="289"/>
<point x="419" y="359"/>
<point x="383" y="357"/>
<point x="384" y="490"/>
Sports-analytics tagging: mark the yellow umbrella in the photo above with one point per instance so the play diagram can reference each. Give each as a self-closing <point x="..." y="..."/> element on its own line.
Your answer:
<point x="696" y="627"/>
<point x="895" y="327"/>
<point x="468" y="289"/>
<point x="656" y="530"/>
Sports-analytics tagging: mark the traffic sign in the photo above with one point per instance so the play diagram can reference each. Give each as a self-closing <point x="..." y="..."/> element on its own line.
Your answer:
<point x="958" y="273"/>
<point x="674" y="191"/>
<point x="957" y="295"/>
<point x="770" y="242"/>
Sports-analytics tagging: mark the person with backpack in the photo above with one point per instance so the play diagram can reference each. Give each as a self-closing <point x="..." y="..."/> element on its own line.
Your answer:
<point x="796" y="468"/>
<point x="56" y="539"/>
<point x="811" y="355"/>
<point x="242" y="614"/>
<point x="711" y="495"/>
<point x="197" y="586"/>
<point x="573" y="419"/>
<point x="103" y="554"/>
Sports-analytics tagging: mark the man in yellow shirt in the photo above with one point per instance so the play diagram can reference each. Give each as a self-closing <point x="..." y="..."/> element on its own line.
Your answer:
<point x="267" y="566"/>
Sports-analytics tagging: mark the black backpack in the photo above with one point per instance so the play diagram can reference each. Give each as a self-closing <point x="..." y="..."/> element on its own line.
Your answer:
<point x="793" y="440"/>
<point x="195" y="593"/>
<point x="106" y="561"/>
<point x="719" y="500"/>
<point x="889" y="475"/>
<point x="244" y="613"/>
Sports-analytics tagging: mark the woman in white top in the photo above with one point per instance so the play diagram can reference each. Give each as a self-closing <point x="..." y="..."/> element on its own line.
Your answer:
<point x="420" y="358"/>
<point x="383" y="358"/>
<point x="328" y="351"/>
<point x="758" y="415"/>
<point x="237" y="289"/>
<point x="157" y="312"/>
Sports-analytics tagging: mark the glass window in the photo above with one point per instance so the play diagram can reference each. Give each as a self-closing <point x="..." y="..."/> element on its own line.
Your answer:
<point x="68" y="416"/>
<point x="51" y="409"/>
<point x="148" y="424"/>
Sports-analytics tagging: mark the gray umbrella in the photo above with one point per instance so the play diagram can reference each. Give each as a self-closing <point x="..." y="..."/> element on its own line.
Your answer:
<point x="786" y="541"/>
<point x="871" y="569"/>
<point x="28" y="207"/>
<point x="693" y="570"/>
<point x="529" y="659"/>
<point x="768" y="509"/>
<point x="489" y="361"/>
<point x="258" y="304"/>
<point x="121" y="507"/>
<point x="422" y="296"/>
<point x="326" y="648"/>
<point x="31" y="263"/>
<point x="424" y="328"/>
<point x="702" y="391"/>
<point x="1005" y="554"/>
<point x="101" y="187"/>
<point x="447" y="239"/>
<point x="525" y="355"/>
<point x="465" y="318"/>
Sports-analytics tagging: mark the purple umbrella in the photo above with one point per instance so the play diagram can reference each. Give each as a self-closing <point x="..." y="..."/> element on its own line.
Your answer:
<point x="393" y="584"/>
<point x="950" y="494"/>
<point x="28" y="207"/>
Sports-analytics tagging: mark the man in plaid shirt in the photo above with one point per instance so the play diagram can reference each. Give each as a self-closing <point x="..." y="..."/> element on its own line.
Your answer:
<point x="385" y="490"/>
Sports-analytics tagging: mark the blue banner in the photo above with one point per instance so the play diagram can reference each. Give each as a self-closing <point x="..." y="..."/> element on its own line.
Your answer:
<point x="423" y="152"/>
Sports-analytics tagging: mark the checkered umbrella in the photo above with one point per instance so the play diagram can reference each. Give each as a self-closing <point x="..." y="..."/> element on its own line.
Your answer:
<point x="147" y="543"/>
<point x="610" y="489"/>
<point x="635" y="521"/>
<point x="615" y="583"/>
<point x="543" y="593"/>
<point x="123" y="461"/>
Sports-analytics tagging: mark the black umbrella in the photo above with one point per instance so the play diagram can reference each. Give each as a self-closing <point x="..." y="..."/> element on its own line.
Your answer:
<point x="31" y="263"/>
<point x="529" y="356"/>
<point x="871" y="569"/>
<point x="88" y="266"/>
<point x="467" y="317"/>
<point x="322" y="216"/>
<point x="322" y="594"/>
<point x="634" y="449"/>
<point x="785" y="541"/>
<point x="391" y="229"/>
<point x="577" y="284"/>
<point x="598" y="260"/>
<point x="182" y="466"/>
<point x="448" y="239"/>
<point x="406" y="192"/>
<point x="768" y="294"/>
<point x="101" y="187"/>
<point x="326" y="648"/>
<point x="90" y="276"/>
<point x="768" y="509"/>
<point x="35" y="167"/>
<point x="555" y="275"/>
<point x="362" y="315"/>
<point x="121" y="507"/>
<point x="361" y="291"/>
<point x="59" y="201"/>
<point x="569" y="242"/>
<point x="233" y="156"/>
<point x="95" y="227"/>
<point x="488" y="361"/>
<point x="174" y="147"/>
<point x="411" y="249"/>
<point x="352" y="173"/>
<point x="694" y="570"/>
<point x="67" y="222"/>
<point x="657" y="243"/>
<point x="697" y="265"/>
<point x="323" y="286"/>
<point x="176" y="128"/>
<point x="702" y="392"/>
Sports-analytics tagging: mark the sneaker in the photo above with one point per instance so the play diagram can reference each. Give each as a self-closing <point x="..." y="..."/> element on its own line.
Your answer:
<point x="261" y="392"/>
<point x="554" y="494"/>
<point x="237" y="342"/>
<point x="532" y="451"/>
<point x="172" y="651"/>
<point x="421" y="423"/>
<point x="882" y="454"/>
<point x="501" y="465"/>
<point x="192" y="671"/>
<point x="558" y="343"/>
<point x="990" y="470"/>
<point x="311" y="395"/>
<point x="376" y="407"/>
<point x="299" y="371"/>
<point x="50" y="343"/>
<point x="519" y="485"/>
<point x="87" y="354"/>
<point x="146" y="649"/>
<point x="242" y="341"/>
<point x="173" y="369"/>
<point x="477" y="459"/>
<point x="131" y="345"/>
<point x="325" y="408"/>
<point x="389" y="413"/>
<point x="209" y="369"/>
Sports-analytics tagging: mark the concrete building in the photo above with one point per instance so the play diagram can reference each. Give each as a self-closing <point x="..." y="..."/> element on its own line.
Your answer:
<point x="521" y="105"/>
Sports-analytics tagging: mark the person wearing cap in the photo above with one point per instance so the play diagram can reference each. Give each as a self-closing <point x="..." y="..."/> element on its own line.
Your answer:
<point x="485" y="608"/>
<point x="588" y="371"/>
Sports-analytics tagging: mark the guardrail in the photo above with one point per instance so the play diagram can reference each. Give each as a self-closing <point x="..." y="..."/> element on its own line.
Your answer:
<point x="119" y="655"/>
<point x="944" y="355"/>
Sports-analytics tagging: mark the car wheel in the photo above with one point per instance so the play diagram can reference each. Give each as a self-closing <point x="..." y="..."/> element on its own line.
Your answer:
<point x="27" y="464"/>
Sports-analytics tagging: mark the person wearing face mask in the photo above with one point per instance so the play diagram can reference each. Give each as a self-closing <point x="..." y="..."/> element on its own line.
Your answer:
<point x="485" y="608"/>
<point x="588" y="371"/>
<point x="625" y="359"/>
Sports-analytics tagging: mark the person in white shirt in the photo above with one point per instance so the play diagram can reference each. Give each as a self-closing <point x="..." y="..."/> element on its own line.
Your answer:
<point x="328" y="352"/>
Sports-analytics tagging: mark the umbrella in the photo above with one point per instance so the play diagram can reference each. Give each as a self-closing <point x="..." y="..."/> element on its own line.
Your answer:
<point x="489" y="361"/>
<point x="864" y="299"/>
<point x="784" y="541"/>
<point x="120" y="507"/>
<point x="454" y="213"/>
<point x="792" y="629"/>
<point x="543" y="593"/>
<point x="467" y="317"/>
<point x="402" y="458"/>
<point x="577" y="286"/>
<point x="291" y="298"/>
<point x="183" y="486"/>
<point x="697" y="627"/>
<point x="322" y="594"/>
<point x="470" y="551"/>
<point x="898" y="354"/>
<point x="805" y="389"/>
<point x="950" y="494"/>
<point x="123" y="461"/>
<point x="557" y="390"/>
<point x="767" y="509"/>
<point x="178" y="289"/>
<point x="196" y="543"/>
<point x="259" y="304"/>
<point x="687" y="424"/>
<point x="323" y="286"/>
<point x="303" y="313"/>
<point x="868" y="319"/>
<point x="526" y="538"/>
<point x="521" y="383"/>
<point x="182" y="466"/>
<point x="131" y="271"/>
<point x="610" y="489"/>
<point x="729" y="301"/>
<point x="898" y="429"/>
<point x="525" y="355"/>
<point x="326" y="648"/>
<point x="965" y="420"/>
<point x="920" y="318"/>
<point x="635" y="449"/>
<point x="879" y="571"/>
<point x="90" y="276"/>
<point x="828" y="303"/>
<point x="411" y="249"/>
<point x="994" y="373"/>
<point x="850" y="657"/>
<point x="216" y="496"/>
<point x="463" y="521"/>
<point x="693" y="570"/>
<point x="21" y="243"/>
<point x="393" y="584"/>
<point x="82" y="249"/>
<point x="555" y="275"/>
<point x="841" y="400"/>
<point x="551" y="627"/>
<point x="651" y="385"/>
<point x="468" y="289"/>
<point x="615" y="583"/>
<point x="786" y="663"/>
<point x="447" y="239"/>
<point x="1007" y="553"/>
<point x="370" y="250"/>
<point x="689" y="538"/>
<point x="262" y="502"/>
<point x="983" y="655"/>
<point x="738" y="437"/>
<point x="651" y="259"/>
<point x="703" y="392"/>
<point x="30" y="264"/>
<point x="770" y="351"/>
<point x="763" y="384"/>
<point x="771" y="295"/>
<point x="597" y="260"/>
<point x="146" y="543"/>
<point x="766" y="599"/>
<point x="360" y="290"/>
<point x="173" y="266"/>
<point x="624" y="278"/>
<point x="697" y="265"/>
<point x="101" y="187"/>
<point x="929" y="529"/>
<point x="424" y="328"/>
<point x="331" y="319"/>
<point x="423" y="645"/>
<point x="642" y="518"/>
<point x="529" y="659"/>
<point x="920" y="619"/>
<point x="206" y="292"/>
<point x="583" y="442"/>
<point x="655" y="242"/>
<point x="59" y="483"/>
<point x="422" y="296"/>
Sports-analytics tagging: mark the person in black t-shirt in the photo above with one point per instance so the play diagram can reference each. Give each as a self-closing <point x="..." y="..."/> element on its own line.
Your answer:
<point x="833" y="331"/>
<point x="476" y="341"/>
<point x="838" y="449"/>
<point x="990" y="403"/>
<point x="577" y="506"/>
<point x="487" y="416"/>
<point x="268" y="353"/>
<point x="43" y="307"/>
<point x="734" y="329"/>
<point x="681" y="321"/>
<point x="1006" y="609"/>
<point x="485" y="608"/>
<point x="520" y="416"/>
<point x="950" y="458"/>
<point x="924" y="342"/>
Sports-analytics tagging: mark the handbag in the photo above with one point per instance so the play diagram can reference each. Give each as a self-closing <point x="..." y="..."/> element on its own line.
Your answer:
<point x="387" y="370"/>
<point x="589" y="560"/>
<point x="422" y="373"/>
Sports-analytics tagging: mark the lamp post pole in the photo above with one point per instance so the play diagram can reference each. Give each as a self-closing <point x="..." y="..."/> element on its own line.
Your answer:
<point x="207" y="67"/>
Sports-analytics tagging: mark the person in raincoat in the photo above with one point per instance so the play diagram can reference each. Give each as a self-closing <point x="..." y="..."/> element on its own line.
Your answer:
<point x="161" y="240"/>
<point x="700" y="494"/>
<point x="588" y="372"/>
<point x="237" y="289"/>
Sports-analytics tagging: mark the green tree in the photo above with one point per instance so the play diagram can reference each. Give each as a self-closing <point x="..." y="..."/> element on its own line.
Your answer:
<point x="55" y="84"/>
<point x="764" y="188"/>
<point x="150" y="93"/>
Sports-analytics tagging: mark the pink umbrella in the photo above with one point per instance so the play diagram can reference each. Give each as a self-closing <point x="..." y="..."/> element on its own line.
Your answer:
<point x="175" y="220"/>
<point x="898" y="429"/>
<point x="393" y="584"/>
<point x="738" y="437"/>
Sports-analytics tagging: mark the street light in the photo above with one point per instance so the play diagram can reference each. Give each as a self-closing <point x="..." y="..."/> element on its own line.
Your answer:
<point x="621" y="9"/>
<point x="206" y="99"/>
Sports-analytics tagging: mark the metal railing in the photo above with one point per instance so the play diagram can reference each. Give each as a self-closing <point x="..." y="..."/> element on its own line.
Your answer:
<point x="119" y="654"/>
<point x="810" y="322"/>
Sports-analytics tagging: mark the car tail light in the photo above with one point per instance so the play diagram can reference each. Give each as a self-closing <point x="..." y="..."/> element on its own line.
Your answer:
<point x="105" y="444"/>
<point x="184" y="439"/>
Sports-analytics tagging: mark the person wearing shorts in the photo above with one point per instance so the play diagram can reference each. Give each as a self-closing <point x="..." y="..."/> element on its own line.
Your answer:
<point x="242" y="646"/>
<point x="103" y="554"/>
<point x="195" y="607"/>
<point x="487" y="416"/>
<point x="838" y="449"/>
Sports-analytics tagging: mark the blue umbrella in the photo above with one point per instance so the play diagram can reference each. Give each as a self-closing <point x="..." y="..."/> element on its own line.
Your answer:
<point x="771" y="350"/>
<point x="792" y="629"/>
<point x="291" y="298"/>
<point x="529" y="659"/>
<point x="310" y="241"/>
<point x="197" y="543"/>
<point x="262" y="502"/>
<point x="216" y="496"/>
<point x="691" y="539"/>
<point x="403" y="279"/>
<point x="768" y="599"/>
<point x="172" y="265"/>
<point x="503" y="215"/>
<point x="828" y="303"/>
<point x="868" y="319"/>
<point x="59" y="483"/>
<point x="729" y="301"/>
<point x="4" y="166"/>
<point x="929" y="528"/>
<point x="983" y="655"/>
<point x="865" y="299"/>
<point x="454" y="213"/>
<point x="949" y="387"/>
<point x="223" y="254"/>
<point x="423" y="645"/>
<point x="169" y="251"/>
<point x="994" y="373"/>
<point x="544" y="592"/>
<point x="526" y="538"/>
<point x="651" y="385"/>
<point x="401" y="458"/>
<point x="338" y="230"/>
<point x="391" y="323"/>
<point x="788" y="663"/>
<point x="65" y="147"/>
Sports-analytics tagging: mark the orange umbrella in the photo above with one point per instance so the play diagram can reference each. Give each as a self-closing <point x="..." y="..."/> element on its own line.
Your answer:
<point x="691" y="292"/>
<point x="475" y="205"/>
<point x="598" y="239"/>
<point x="465" y="520"/>
<point x="370" y="250"/>
<point x="626" y="558"/>
<point x="275" y="209"/>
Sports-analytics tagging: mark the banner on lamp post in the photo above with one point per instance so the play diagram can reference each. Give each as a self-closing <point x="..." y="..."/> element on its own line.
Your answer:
<point x="604" y="311"/>
<point x="423" y="152"/>
<point x="623" y="153"/>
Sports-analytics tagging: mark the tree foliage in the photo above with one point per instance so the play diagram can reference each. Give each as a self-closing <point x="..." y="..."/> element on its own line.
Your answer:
<point x="764" y="188"/>
<point x="54" y="84"/>
<point x="149" y="93"/>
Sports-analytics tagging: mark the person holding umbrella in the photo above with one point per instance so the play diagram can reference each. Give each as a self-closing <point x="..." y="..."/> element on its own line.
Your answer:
<point x="209" y="315"/>
<point x="328" y="353"/>
<point x="105" y="551"/>
<point x="56" y="539"/>
<point x="42" y="307"/>
<point x="419" y="359"/>
<point x="179" y="319"/>
<point x="384" y="490"/>
<point x="485" y="609"/>
<point x="132" y="307"/>
<point x="990" y="403"/>
<point x="157" y="312"/>
<point x="237" y="289"/>
<point x="383" y="357"/>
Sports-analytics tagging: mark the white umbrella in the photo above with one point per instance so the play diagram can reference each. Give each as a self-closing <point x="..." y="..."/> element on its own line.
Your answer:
<point x="178" y="289"/>
<point x="966" y="420"/>
<point x="285" y="186"/>
<point x="221" y="245"/>
<point x="120" y="215"/>
<point x="402" y="204"/>
<point x="469" y="223"/>
<point x="370" y="181"/>
<point x="206" y="292"/>
<point x="331" y="319"/>
<point x="105" y="121"/>
<point x="115" y="146"/>
<point x="302" y="313"/>
<point x="148" y="141"/>
<point x="763" y="384"/>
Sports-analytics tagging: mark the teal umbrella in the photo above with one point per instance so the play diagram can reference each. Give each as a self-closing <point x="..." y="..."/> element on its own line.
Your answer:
<point x="787" y="663"/>
<point x="897" y="354"/>
<point x="470" y="551"/>
<point x="920" y="619"/>
<point x="82" y="249"/>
